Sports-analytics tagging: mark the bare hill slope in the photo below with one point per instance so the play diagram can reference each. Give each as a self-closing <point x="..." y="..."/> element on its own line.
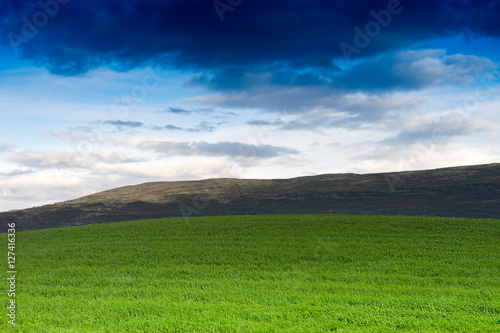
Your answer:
<point x="469" y="191"/>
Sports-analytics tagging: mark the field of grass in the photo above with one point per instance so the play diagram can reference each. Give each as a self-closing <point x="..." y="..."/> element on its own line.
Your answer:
<point x="310" y="273"/>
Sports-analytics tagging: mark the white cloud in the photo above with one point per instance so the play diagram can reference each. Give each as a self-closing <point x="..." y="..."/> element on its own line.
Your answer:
<point x="6" y="147"/>
<point x="432" y="67"/>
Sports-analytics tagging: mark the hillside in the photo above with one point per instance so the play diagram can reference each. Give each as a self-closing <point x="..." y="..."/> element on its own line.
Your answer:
<point x="469" y="191"/>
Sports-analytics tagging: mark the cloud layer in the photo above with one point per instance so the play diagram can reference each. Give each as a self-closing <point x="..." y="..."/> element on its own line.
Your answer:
<point x="80" y="35"/>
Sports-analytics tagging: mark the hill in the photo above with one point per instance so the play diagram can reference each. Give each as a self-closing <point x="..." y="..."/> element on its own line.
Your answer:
<point x="468" y="191"/>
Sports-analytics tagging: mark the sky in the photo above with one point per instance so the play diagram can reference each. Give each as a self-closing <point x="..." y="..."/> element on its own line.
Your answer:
<point x="100" y="94"/>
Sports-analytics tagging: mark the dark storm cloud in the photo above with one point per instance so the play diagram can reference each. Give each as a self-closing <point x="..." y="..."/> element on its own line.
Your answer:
<point x="405" y="70"/>
<point x="72" y="37"/>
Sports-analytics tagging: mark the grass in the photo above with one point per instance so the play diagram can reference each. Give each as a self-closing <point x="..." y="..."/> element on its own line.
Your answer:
<point x="290" y="273"/>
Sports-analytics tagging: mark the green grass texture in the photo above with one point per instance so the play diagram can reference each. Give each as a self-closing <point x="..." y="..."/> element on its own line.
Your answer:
<point x="282" y="273"/>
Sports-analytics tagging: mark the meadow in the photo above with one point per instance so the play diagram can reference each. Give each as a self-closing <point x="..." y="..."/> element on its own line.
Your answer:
<point x="281" y="273"/>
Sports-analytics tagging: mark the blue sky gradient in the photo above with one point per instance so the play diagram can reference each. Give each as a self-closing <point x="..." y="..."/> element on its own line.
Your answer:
<point x="96" y="94"/>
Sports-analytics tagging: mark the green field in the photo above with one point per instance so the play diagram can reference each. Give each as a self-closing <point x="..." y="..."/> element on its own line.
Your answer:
<point x="290" y="273"/>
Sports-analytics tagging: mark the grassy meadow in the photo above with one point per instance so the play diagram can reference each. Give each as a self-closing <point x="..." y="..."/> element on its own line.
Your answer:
<point x="285" y="273"/>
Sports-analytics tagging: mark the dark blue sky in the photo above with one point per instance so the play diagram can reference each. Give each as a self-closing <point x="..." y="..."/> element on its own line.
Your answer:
<point x="255" y="34"/>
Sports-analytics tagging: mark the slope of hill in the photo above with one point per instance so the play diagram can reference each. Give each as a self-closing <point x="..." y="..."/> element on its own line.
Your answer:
<point x="469" y="191"/>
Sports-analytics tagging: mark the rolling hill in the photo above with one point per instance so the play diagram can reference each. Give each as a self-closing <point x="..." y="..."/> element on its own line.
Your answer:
<point x="250" y="274"/>
<point x="468" y="191"/>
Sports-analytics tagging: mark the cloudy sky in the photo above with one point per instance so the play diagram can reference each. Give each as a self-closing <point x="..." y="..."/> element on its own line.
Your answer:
<point x="101" y="94"/>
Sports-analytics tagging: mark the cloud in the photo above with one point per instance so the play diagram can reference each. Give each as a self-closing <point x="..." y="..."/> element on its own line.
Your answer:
<point x="316" y="108"/>
<point x="183" y="111"/>
<point x="361" y="95"/>
<point x="47" y="159"/>
<point x="437" y="131"/>
<point x="96" y="135"/>
<point x="228" y="149"/>
<point x="417" y="157"/>
<point x="74" y="134"/>
<point x="419" y="140"/>
<point x="189" y="34"/>
<point x="6" y="147"/>
<point x="16" y="172"/>
<point x="120" y="123"/>
<point x="415" y="70"/>
<point x="178" y="110"/>
<point x="69" y="175"/>
<point x="400" y="71"/>
<point x="203" y="126"/>
<point x="260" y="122"/>
<point x="163" y="169"/>
<point x="65" y="159"/>
<point x="30" y="189"/>
<point x="172" y="127"/>
<point x="24" y="190"/>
